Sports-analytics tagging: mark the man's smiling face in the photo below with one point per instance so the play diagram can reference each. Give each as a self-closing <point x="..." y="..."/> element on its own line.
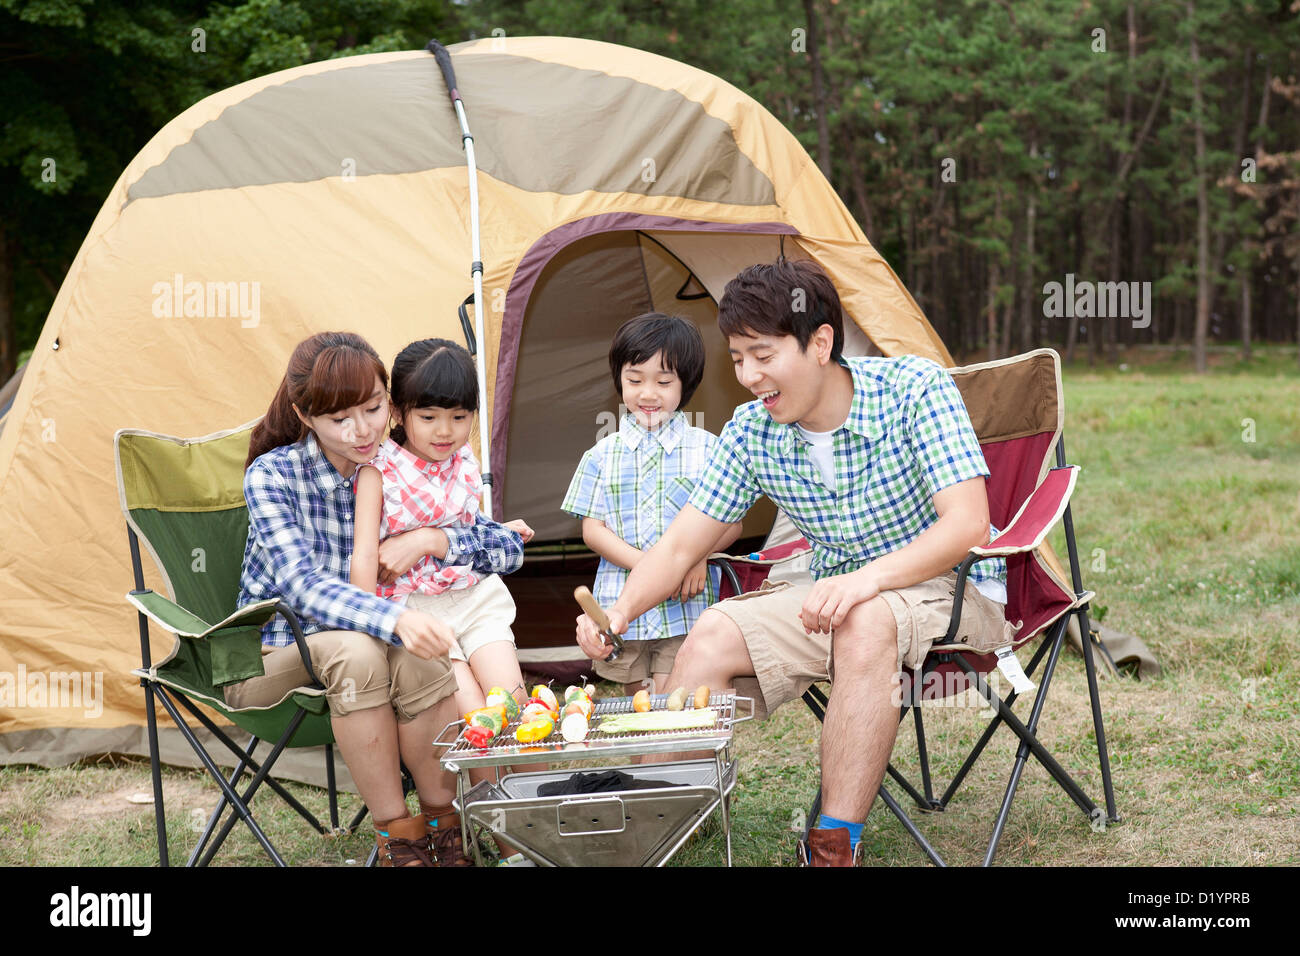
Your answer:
<point x="786" y="379"/>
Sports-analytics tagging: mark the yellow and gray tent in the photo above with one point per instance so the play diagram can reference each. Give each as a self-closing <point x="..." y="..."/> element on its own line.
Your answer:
<point x="335" y="196"/>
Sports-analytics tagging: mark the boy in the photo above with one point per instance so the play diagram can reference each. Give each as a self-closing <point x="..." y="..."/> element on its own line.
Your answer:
<point x="634" y="482"/>
<point x="876" y="463"/>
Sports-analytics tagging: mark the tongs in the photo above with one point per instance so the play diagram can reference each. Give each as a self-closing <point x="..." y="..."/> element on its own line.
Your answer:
<point x="591" y="607"/>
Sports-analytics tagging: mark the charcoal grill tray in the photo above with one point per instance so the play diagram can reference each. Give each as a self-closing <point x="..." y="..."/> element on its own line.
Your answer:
<point x="620" y="828"/>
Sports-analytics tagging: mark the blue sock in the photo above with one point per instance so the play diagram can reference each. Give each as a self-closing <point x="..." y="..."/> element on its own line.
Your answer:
<point x="826" y="822"/>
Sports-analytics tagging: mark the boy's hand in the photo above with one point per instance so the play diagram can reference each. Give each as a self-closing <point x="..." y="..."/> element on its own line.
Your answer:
<point x="520" y="527"/>
<point x="590" y="640"/>
<point x="694" y="581"/>
<point x="424" y="635"/>
<point x="831" y="599"/>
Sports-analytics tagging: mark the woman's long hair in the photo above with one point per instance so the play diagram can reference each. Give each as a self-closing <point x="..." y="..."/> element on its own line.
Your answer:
<point x="328" y="372"/>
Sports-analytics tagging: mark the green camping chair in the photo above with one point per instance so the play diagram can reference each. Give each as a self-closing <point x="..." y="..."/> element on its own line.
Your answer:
<point x="184" y="499"/>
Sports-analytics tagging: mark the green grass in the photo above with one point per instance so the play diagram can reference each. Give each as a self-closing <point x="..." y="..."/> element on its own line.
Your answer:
<point x="1187" y="532"/>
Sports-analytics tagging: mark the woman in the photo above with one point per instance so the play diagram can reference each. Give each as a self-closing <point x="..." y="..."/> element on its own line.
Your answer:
<point x="387" y="678"/>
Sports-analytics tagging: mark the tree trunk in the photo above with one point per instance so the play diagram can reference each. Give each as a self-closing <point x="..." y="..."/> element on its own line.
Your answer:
<point x="8" y="324"/>
<point x="1027" y="284"/>
<point x="1248" y="274"/>
<point x="1202" y="207"/>
<point x="819" y="92"/>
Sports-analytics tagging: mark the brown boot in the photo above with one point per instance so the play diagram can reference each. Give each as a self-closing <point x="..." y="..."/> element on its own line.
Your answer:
<point x="443" y="830"/>
<point x="827" y="848"/>
<point x="403" y="842"/>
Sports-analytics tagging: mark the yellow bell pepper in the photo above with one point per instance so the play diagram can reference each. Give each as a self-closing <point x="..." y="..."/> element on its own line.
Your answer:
<point x="534" y="730"/>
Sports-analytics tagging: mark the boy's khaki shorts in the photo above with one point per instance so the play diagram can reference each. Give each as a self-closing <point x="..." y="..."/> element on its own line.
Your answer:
<point x="641" y="659"/>
<point x="787" y="660"/>
<point x="480" y="614"/>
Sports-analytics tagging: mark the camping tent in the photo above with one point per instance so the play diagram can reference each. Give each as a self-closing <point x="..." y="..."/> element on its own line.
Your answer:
<point x="334" y="196"/>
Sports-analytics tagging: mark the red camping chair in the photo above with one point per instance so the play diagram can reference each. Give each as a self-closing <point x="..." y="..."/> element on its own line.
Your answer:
<point x="1017" y="408"/>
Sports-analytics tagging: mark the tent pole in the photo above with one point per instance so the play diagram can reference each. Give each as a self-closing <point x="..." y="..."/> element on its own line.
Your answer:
<point x="476" y="270"/>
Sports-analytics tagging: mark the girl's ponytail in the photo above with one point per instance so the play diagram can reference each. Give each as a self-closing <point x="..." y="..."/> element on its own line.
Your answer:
<point x="327" y="372"/>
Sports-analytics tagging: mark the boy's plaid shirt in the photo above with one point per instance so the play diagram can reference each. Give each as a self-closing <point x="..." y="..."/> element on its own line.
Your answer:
<point x="636" y="481"/>
<point x="907" y="437"/>
<point x="300" y="531"/>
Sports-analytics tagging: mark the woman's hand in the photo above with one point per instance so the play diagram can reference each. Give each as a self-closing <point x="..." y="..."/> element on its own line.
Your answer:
<point x="520" y="527"/>
<point x="424" y="635"/>
<point x="694" y="581"/>
<point x="399" y="554"/>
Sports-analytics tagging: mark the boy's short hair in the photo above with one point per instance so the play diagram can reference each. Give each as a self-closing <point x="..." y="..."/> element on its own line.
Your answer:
<point x="678" y="339"/>
<point x="782" y="298"/>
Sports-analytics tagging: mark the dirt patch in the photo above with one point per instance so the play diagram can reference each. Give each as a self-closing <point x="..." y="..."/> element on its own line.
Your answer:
<point x="127" y="800"/>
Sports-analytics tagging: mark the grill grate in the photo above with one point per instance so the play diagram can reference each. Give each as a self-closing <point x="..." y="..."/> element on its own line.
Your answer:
<point x="599" y="744"/>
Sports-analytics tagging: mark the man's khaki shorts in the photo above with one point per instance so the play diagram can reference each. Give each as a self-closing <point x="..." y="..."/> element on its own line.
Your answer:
<point x="479" y="614"/>
<point x="787" y="660"/>
<point x="641" y="659"/>
<point x="359" y="672"/>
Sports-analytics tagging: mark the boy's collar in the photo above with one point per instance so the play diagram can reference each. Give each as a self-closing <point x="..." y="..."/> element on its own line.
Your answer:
<point x="669" y="434"/>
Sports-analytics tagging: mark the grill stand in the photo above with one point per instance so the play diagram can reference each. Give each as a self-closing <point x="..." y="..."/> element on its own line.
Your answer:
<point x="643" y="827"/>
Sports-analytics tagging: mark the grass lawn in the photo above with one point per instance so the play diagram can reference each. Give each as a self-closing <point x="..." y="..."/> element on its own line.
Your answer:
<point x="1188" y="520"/>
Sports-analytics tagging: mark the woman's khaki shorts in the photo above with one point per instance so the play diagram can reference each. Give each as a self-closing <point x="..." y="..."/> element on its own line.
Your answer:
<point x="480" y="614"/>
<point x="641" y="659"/>
<point x="787" y="660"/>
<point x="359" y="672"/>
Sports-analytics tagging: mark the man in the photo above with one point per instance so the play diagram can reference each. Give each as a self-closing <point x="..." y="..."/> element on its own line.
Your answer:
<point x="876" y="463"/>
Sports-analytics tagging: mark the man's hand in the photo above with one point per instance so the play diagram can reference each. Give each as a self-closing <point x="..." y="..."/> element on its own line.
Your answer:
<point x="424" y="635"/>
<point x="694" y="581"/>
<point x="398" y="554"/>
<point x="589" y="637"/>
<point x="520" y="527"/>
<point x="831" y="599"/>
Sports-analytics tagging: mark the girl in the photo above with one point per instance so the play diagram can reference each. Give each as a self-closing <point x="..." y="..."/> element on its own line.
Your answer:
<point x="387" y="678"/>
<point x="425" y="480"/>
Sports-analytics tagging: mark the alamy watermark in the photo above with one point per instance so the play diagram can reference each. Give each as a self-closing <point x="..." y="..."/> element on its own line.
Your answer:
<point x="75" y="908"/>
<point x="1100" y="300"/>
<point x="63" y="690"/>
<point x="611" y="422"/>
<point x="208" y="300"/>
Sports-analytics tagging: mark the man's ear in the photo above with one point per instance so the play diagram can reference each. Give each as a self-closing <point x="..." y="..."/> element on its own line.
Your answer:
<point x="824" y="340"/>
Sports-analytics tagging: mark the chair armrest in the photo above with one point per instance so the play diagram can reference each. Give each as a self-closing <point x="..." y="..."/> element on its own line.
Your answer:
<point x="172" y="617"/>
<point x="1036" y="516"/>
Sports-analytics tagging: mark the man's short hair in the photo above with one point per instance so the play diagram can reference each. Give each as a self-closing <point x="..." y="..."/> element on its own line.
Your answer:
<point x="782" y="298"/>
<point x="678" y="339"/>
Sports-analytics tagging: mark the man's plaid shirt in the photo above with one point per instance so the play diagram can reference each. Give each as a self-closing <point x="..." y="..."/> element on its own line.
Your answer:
<point x="907" y="437"/>
<point x="300" y="520"/>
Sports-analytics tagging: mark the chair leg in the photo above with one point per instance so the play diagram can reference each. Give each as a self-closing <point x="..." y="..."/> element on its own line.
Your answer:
<point x="216" y="814"/>
<point x="1022" y="752"/>
<point x="948" y="794"/>
<point x="1058" y="772"/>
<point x="271" y="782"/>
<point x="155" y="770"/>
<point x="258" y="778"/>
<point x="213" y="771"/>
<point x="910" y="827"/>
<point x="333" y="789"/>
<point x="1090" y="665"/>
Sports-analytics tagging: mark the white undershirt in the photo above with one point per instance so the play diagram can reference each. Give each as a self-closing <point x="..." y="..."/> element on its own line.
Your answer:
<point x="822" y="452"/>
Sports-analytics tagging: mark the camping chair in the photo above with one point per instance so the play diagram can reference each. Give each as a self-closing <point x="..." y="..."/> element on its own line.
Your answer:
<point x="1017" y="409"/>
<point x="184" y="499"/>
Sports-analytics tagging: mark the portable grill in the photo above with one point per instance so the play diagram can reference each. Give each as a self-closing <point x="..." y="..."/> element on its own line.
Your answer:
<point x="635" y="827"/>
